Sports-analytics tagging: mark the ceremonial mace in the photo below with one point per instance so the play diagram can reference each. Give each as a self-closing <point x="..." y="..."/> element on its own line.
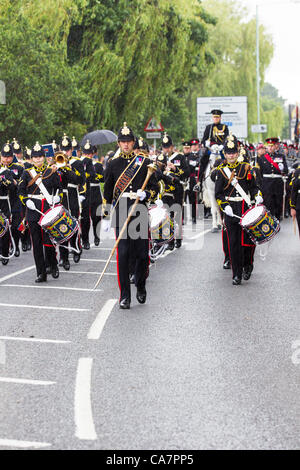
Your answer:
<point x="151" y="170"/>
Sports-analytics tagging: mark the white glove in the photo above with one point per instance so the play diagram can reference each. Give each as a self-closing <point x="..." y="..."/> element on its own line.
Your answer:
<point x="259" y="199"/>
<point x="228" y="211"/>
<point x="105" y="225"/>
<point x="81" y="199"/>
<point x="193" y="163"/>
<point x="159" y="203"/>
<point x="281" y="166"/>
<point x="30" y="204"/>
<point x="207" y="143"/>
<point x="141" y="194"/>
<point x="56" y="199"/>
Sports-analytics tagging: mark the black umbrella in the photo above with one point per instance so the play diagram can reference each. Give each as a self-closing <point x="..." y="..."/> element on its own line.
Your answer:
<point x="99" y="137"/>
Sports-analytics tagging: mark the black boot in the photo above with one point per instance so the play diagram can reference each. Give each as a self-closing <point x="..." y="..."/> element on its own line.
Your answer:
<point x="66" y="265"/>
<point x="141" y="295"/>
<point x="55" y="272"/>
<point x="97" y="241"/>
<point x="41" y="278"/>
<point x="236" y="281"/>
<point x="247" y="272"/>
<point x="125" y="304"/>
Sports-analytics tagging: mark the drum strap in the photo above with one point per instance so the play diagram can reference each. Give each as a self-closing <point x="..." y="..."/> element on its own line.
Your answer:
<point x="126" y="178"/>
<point x="36" y="178"/>
<point x="234" y="182"/>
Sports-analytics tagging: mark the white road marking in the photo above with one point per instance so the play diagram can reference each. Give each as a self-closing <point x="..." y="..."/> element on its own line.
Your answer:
<point x="34" y="340"/>
<point x="25" y="381"/>
<point x="85" y="428"/>
<point x="95" y="260"/>
<point x="2" y="353"/>
<point x="100" y="248"/>
<point x="19" y="286"/>
<point x="199" y="234"/>
<point x="23" y="444"/>
<point x="21" y="271"/>
<point x="45" y="307"/>
<point x="99" y="323"/>
<point x="88" y="272"/>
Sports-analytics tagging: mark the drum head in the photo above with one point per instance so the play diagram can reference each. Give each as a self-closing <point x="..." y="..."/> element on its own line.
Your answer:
<point x="252" y="215"/>
<point x="157" y="215"/>
<point x="51" y="215"/>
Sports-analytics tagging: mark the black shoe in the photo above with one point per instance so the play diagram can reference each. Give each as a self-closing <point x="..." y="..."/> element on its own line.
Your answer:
<point x="66" y="265"/>
<point x="5" y="261"/>
<point x="206" y="216"/>
<point x="124" y="304"/>
<point x="28" y="246"/>
<point x="194" y="221"/>
<point x="178" y="244"/>
<point x="247" y="272"/>
<point x="76" y="257"/>
<point x="227" y="264"/>
<point x="141" y="295"/>
<point x="17" y="252"/>
<point x="97" y="241"/>
<point x="48" y="270"/>
<point x="171" y="246"/>
<point x="236" y="281"/>
<point x="55" y="272"/>
<point x="24" y="246"/>
<point x="61" y="263"/>
<point x="131" y="278"/>
<point x="86" y="246"/>
<point x="41" y="278"/>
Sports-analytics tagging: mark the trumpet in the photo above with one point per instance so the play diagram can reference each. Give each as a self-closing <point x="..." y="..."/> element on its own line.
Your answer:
<point x="61" y="160"/>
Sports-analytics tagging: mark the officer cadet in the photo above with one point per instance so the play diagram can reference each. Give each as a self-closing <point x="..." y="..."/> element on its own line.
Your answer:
<point x="193" y="162"/>
<point x="27" y="158"/>
<point x="295" y="197"/>
<point x="8" y="191"/>
<point x="90" y="175"/>
<point x="124" y="177"/>
<point x="96" y="195"/>
<point x="179" y="170"/>
<point x="15" y="205"/>
<point x="232" y="204"/>
<point x="76" y="191"/>
<point x="214" y="133"/>
<point x="34" y="199"/>
<point x="18" y="153"/>
<point x="272" y="168"/>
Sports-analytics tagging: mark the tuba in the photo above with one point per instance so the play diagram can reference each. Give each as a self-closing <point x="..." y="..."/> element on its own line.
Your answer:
<point x="61" y="160"/>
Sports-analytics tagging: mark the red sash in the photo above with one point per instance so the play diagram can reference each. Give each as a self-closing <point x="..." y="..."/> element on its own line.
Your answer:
<point x="270" y="160"/>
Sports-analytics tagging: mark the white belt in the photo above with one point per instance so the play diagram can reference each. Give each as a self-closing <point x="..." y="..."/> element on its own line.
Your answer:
<point x="272" y="176"/>
<point x="4" y="197"/>
<point x="130" y="195"/>
<point x="299" y="191"/>
<point x="168" y="194"/>
<point x="236" y="198"/>
<point x="95" y="185"/>
<point x="70" y="185"/>
<point x="36" y="196"/>
<point x="65" y="191"/>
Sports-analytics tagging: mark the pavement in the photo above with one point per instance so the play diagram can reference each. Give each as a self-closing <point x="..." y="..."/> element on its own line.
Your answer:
<point x="202" y="365"/>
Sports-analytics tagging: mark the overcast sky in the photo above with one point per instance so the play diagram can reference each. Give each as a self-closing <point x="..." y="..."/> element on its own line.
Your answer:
<point x="282" y="20"/>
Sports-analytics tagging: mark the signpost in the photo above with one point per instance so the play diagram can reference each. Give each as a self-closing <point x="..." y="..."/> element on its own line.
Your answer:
<point x="259" y="128"/>
<point x="153" y="130"/>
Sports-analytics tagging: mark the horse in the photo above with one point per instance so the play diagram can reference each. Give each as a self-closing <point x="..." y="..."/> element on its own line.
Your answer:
<point x="209" y="189"/>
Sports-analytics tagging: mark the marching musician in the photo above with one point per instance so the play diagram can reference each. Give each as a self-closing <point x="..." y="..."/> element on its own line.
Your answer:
<point x="37" y="184"/>
<point x="177" y="168"/>
<point x="273" y="167"/>
<point x="124" y="177"/>
<point x="96" y="195"/>
<point x="8" y="191"/>
<point x="295" y="197"/>
<point x="76" y="191"/>
<point x="193" y="162"/>
<point x="90" y="175"/>
<point x="232" y="204"/>
<point x="15" y="206"/>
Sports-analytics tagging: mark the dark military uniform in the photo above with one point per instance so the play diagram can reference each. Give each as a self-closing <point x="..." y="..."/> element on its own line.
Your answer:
<point x="90" y="176"/>
<point x="96" y="199"/>
<point x="7" y="190"/>
<point x="240" y="246"/>
<point x="295" y="195"/>
<point x="193" y="162"/>
<point x="130" y="242"/>
<point x="29" y="190"/>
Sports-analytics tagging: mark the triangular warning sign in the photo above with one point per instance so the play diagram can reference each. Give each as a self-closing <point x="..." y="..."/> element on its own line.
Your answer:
<point x="153" y="126"/>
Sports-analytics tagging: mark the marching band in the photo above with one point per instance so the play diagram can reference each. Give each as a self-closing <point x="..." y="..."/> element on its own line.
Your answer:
<point x="53" y="203"/>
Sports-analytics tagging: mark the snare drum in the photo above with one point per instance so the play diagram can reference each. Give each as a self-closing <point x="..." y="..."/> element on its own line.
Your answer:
<point x="161" y="225"/>
<point x="59" y="224"/>
<point x="3" y="224"/>
<point x="260" y="224"/>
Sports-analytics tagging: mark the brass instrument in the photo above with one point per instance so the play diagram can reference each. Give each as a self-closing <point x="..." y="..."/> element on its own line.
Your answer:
<point x="61" y="160"/>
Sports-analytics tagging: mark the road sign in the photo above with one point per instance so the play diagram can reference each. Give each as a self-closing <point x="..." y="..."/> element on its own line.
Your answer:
<point x="153" y="135"/>
<point x="153" y="126"/>
<point x="2" y="93"/>
<point x="258" y="128"/>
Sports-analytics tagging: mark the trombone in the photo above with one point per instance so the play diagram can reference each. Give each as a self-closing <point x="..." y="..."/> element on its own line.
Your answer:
<point x="61" y="160"/>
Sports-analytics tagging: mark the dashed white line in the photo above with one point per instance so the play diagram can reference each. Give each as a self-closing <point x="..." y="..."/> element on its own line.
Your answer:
<point x="199" y="234"/>
<point x="21" y="271"/>
<point x="2" y="353"/>
<point x="95" y="260"/>
<point x="33" y="340"/>
<point x="23" y="444"/>
<point x="99" y="323"/>
<point x="85" y="428"/>
<point x="45" y="307"/>
<point x="21" y="286"/>
<point x="25" y="381"/>
<point x="89" y="272"/>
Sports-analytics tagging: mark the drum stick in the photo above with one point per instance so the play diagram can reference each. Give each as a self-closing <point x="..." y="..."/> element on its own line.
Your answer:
<point x="35" y="209"/>
<point x="151" y="170"/>
<point x="294" y="223"/>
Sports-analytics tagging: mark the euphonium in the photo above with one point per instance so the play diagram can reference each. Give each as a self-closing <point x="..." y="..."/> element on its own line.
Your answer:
<point x="61" y="160"/>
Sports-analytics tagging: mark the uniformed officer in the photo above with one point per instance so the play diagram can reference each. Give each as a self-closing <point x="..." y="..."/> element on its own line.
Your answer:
<point x="124" y="177"/>
<point x="90" y="176"/>
<point x="193" y="162"/>
<point x="33" y="198"/>
<point x="295" y="197"/>
<point x="232" y="204"/>
<point x="272" y="168"/>
<point x="96" y="195"/>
